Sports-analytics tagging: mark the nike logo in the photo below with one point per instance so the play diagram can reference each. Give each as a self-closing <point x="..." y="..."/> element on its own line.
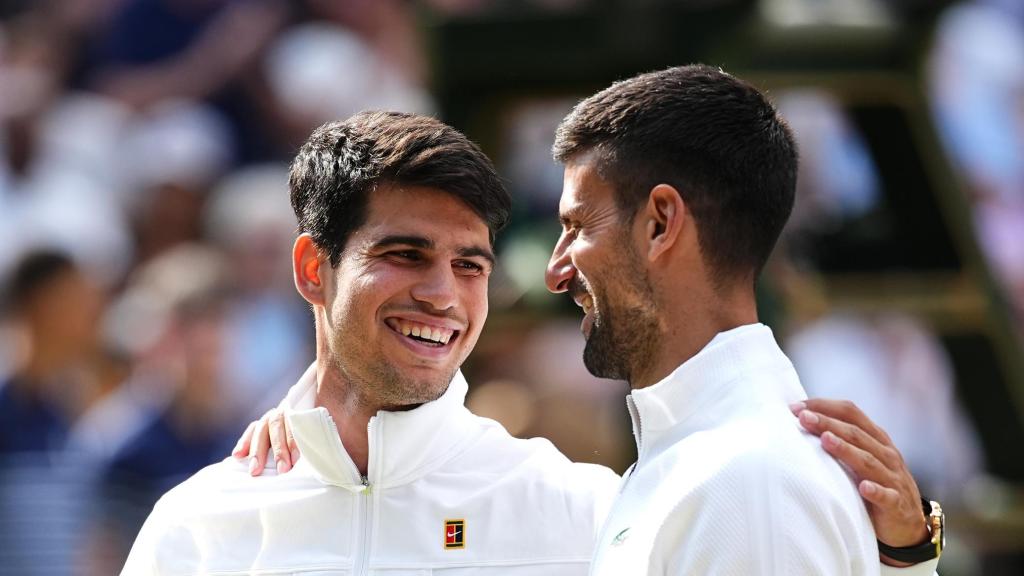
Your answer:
<point x="453" y="534"/>
<point x="620" y="537"/>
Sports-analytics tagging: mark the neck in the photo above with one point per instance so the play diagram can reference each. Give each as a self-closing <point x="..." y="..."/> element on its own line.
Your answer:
<point x="346" y="401"/>
<point x="349" y="409"/>
<point x="694" y="323"/>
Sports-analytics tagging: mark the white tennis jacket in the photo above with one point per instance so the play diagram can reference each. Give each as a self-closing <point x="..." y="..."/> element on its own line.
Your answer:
<point x="728" y="483"/>
<point x="447" y="493"/>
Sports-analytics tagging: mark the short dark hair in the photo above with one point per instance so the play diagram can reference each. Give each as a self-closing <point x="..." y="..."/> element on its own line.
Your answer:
<point x="34" y="271"/>
<point x="339" y="166"/>
<point x="713" y="137"/>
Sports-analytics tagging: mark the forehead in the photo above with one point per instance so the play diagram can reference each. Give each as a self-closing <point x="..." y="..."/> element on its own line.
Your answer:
<point x="583" y="189"/>
<point x="423" y="211"/>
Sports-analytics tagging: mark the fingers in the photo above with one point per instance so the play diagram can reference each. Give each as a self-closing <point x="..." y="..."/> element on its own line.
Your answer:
<point x="886" y="498"/>
<point x="854" y="434"/>
<point x="905" y="524"/>
<point x="241" y="449"/>
<point x="847" y="412"/>
<point x="293" y="448"/>
<point x="260" y="445"/>
<point x="279" y="442"/>
<point x="863" y="463"/>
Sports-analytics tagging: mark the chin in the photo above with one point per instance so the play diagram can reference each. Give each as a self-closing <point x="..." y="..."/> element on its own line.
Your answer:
<point x="424" y="388"/>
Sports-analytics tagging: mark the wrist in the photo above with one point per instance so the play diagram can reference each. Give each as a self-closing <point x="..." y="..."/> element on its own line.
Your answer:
<point x="930" y="547"/>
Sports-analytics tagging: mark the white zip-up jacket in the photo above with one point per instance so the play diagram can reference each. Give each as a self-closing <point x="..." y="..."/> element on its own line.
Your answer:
<point x="447" y="493"/>
<point x="525" y="509"/>
<point x="727" y="483"/>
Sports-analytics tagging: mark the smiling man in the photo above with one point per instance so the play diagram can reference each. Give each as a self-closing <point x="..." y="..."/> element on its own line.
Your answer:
<point x="677" y="186"/>
<point x="397" y="215"/>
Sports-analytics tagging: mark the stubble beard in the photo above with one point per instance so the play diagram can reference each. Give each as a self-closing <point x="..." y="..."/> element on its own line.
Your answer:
<point x="391" y="388"/>
<point x="622" y="339"/>
<point x="380" y="384"/>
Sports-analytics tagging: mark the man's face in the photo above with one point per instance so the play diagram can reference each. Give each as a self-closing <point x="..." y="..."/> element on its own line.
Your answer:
<point x="596" y="262"/>
<point x="406" y="303"/>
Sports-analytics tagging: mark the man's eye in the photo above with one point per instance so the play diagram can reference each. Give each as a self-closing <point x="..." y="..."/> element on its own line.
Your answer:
<point x="468" y="267"/>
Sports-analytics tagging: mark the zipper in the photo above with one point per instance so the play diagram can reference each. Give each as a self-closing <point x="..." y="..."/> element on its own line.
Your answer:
<point x="364" y="499"/>
<point x="606" y="528"/>
<point x="362" y="559"/>
<point x="638" y="433"/>
<point x="361" y="564"/>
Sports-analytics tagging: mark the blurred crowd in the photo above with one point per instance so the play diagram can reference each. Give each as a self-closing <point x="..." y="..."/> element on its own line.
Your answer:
<point x="146" y="305"/>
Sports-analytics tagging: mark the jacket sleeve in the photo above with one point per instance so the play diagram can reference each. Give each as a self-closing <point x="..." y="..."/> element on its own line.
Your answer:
<point x="929" y="568"/>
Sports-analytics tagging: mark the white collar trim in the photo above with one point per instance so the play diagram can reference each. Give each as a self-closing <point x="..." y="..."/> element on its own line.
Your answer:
<point x="403" y="446"/>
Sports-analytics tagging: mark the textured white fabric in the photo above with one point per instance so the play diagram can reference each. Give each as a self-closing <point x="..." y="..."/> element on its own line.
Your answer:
<point x="528" y="511"/>
<point x="726" y="482"/>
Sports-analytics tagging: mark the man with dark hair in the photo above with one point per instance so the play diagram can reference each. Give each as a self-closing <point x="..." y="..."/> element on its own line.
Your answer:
<point x="397" y="214"/>
<point x="677" y="185"/>
<point x="54" y="306"/>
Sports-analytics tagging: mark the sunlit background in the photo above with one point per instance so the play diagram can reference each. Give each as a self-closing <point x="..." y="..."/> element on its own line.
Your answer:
<point x="147" y="306"/>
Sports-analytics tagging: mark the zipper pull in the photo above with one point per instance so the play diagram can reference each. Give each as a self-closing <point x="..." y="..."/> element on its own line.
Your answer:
<point x="366" y="484"/>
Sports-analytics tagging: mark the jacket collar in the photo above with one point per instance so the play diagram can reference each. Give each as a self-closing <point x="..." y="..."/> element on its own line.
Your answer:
<point x="731" y="375"/>
<point x="403" y="446"/>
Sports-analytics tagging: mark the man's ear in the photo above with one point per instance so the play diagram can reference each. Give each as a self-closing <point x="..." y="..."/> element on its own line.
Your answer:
<point x="664" y="217"/>
<point x="306" y="265"/>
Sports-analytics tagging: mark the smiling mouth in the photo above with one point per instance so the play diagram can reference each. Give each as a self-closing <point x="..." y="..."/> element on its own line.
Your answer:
<point x="424" y="334"/>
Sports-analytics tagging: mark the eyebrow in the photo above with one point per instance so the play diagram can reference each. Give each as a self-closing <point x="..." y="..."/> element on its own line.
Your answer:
<point x="428" y="244"/>
<point x="400" y="240"/>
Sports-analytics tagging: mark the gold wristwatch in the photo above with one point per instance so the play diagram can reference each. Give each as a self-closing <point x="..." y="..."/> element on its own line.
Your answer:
<point x="928" y="550"/>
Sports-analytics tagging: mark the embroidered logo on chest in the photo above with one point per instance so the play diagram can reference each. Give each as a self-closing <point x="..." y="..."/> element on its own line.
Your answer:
<point x="454" y="534"/>
<point x="620" y="538"/>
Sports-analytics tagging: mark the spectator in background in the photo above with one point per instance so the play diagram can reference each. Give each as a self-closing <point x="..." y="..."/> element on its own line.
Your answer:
<point x="348" y="57"/>
<point x="182" y="360"/>
<point x="977" y="89"/>
<point x="56" y="308"/>
<point x="43" y="487"/>
<point x="176" y="151"/>
<point x="249" y="218"/>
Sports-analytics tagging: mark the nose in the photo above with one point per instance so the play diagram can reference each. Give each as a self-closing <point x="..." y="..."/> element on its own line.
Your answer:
<point x="437" y="287"/>
<point x="560" y="270"/>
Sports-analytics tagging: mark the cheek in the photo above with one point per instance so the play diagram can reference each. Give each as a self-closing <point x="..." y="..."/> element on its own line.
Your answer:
<point x="475" y="302"/>
<point x="586" y="263"/>
<point x="363" y="293"/>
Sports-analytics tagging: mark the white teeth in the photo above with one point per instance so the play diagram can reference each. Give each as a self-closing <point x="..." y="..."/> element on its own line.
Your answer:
<point x="588" y="303"/>
<point x="432" y="333"/>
